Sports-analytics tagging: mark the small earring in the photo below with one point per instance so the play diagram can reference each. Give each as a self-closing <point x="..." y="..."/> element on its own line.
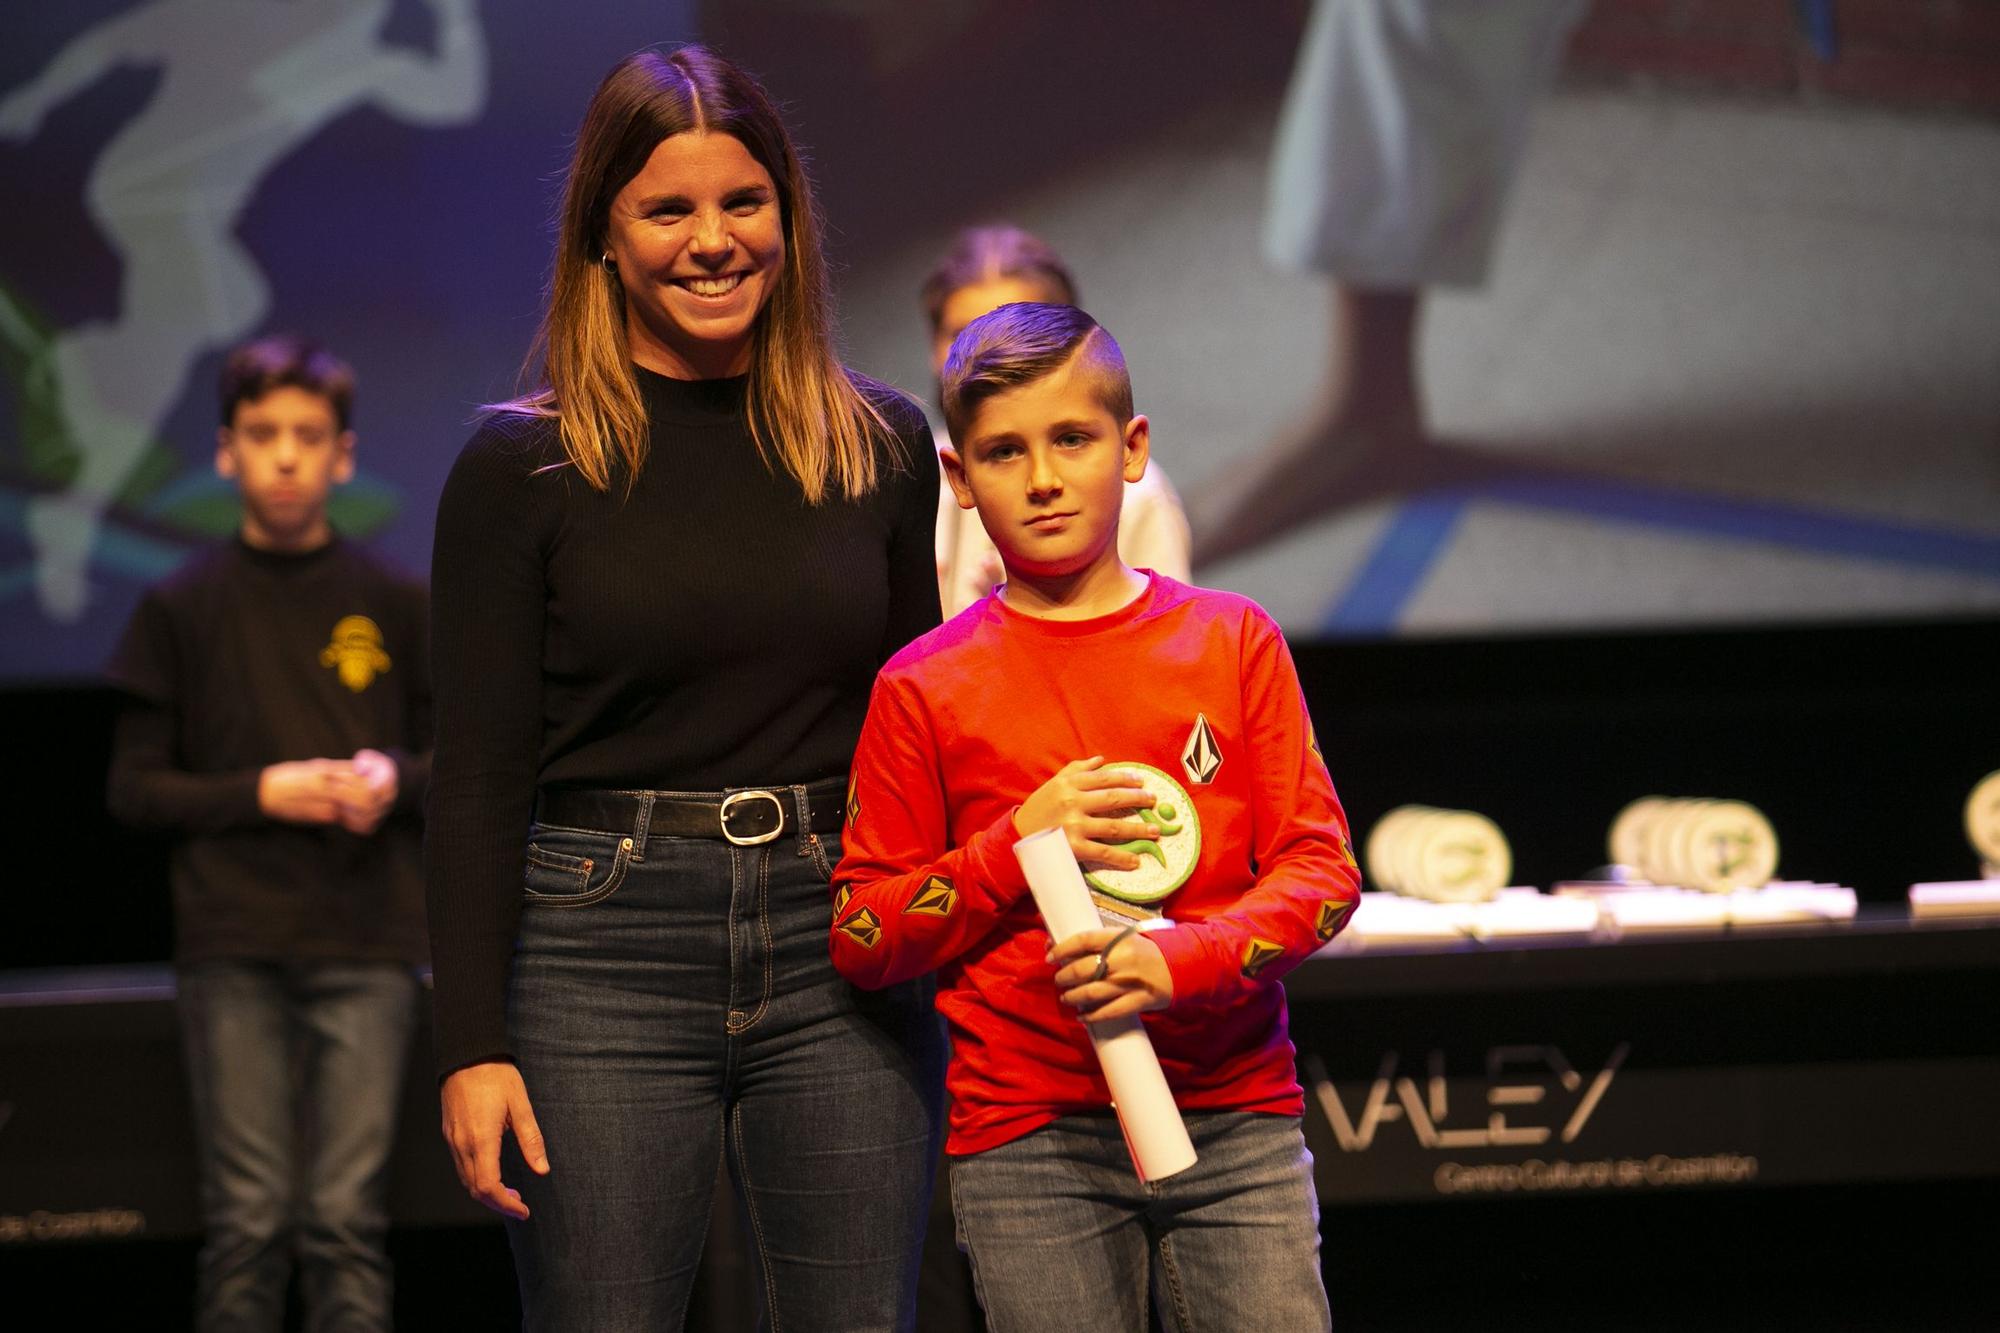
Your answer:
<point x="610" y="264"/>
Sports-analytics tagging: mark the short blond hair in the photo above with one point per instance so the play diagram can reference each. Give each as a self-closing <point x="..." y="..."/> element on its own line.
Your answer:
<point x="1020" y="343"/>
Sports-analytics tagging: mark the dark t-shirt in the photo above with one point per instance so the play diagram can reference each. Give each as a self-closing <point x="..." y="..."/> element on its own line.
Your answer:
<point x="247" y="658"/>
<point x="705" y="628"/>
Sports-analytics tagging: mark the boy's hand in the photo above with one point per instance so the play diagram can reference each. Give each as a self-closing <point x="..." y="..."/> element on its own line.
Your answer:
<point x="304" y="791"/>
<point x="1107" y="974"/>
<point x="1077" y="800"/>
<point x="369" y="794"/>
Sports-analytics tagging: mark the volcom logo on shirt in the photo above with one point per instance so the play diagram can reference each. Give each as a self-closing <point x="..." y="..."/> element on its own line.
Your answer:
<point x="356" y="652"/>
<point x="1257" y="956"/>
<point x="937" y="896"/>
<point x="1332" y="916"/>
<point x="1199" y="756"/>
<point x="864" y="928"/>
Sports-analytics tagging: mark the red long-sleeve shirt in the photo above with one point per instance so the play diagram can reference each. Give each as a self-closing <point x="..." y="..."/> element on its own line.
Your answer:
<point x="968" y="721"/>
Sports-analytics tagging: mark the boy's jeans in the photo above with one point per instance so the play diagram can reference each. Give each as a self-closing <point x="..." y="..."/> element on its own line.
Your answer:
<point x="671" y="1010"/>
<point x="296" y="1070"/>
<point x="1061" y="1234"/>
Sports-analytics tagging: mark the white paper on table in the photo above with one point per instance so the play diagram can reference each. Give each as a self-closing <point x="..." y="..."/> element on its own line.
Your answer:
<point x="1155" y="1134"/>
<point x="1390" y="918"/>
<point x="1785" y="902"/>
<point x="1965" y="897"/>
<point x="1664" y="909"/>
<point x="1530" y="912"/>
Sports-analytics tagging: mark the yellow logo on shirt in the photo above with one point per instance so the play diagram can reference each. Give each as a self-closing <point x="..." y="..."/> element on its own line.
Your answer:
<point x="853" y="800"/>
<point x="1332" y="916"/>
<point x="937" y="897"/>
<point x="864" y="928"/>
<point x="840" y="897"/>
<point x="356" y="652"/>
<point x="1257" y="956"/>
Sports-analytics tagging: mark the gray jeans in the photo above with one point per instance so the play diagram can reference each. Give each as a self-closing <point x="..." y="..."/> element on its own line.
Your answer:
<point x="296" y="1071"/>
<point x="1062" y="1234"/>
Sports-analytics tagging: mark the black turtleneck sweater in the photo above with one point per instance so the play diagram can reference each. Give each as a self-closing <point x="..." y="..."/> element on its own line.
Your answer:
<point x="708" y="629"/>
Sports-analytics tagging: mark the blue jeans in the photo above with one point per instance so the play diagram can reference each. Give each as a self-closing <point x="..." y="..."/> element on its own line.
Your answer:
<point x="1061" y="1234"/>
<point x="673" y="1003"/>
<point x="296" y="1070"/>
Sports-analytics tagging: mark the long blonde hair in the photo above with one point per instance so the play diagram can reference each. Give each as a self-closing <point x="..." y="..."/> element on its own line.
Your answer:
<point x="806" y="411"/>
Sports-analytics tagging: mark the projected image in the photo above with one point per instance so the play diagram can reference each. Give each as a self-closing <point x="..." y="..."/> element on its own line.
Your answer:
<point x="233" y="101"/>
<point x="1436" y="337"/>
<point x="1436" y="341"/>
<point x="374" y="173"/>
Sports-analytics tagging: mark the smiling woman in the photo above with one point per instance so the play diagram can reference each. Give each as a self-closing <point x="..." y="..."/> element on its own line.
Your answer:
<point x="658" y="135"/>
<point x="664" y="582"/>
<point x="697" y="240"/>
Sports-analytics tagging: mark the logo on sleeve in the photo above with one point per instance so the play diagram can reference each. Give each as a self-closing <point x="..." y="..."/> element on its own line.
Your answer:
<point x="854" y="799"/>
<point x="937" y="897"/>
<point x="1332" y="916"/>
<point x="864" y="928"/>
<point x="1257" y="956"/>
<point x="355" y="652"/>
<point x="1199" y="757"/>
<point x="840" y="897"/>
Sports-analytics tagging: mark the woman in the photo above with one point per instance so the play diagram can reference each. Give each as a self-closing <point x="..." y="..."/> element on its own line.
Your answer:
<point x="662" y="586"/>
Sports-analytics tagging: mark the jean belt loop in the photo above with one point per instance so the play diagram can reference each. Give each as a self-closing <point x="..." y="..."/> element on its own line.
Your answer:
<point x="641" y="824"/>
<point x="804" y="807"/>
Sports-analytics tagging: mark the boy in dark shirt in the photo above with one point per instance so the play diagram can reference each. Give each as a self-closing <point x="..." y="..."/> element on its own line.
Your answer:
<point x="277" y="722"/>
<point x="1162" y="728"/>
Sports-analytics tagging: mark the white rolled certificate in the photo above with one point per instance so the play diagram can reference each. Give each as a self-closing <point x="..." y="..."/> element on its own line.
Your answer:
<point x="1154" y="1132"/>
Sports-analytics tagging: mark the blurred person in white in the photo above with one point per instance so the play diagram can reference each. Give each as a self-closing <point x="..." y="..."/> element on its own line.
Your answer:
<point x="1398" y="142"/>
<point x="985" y="268"/>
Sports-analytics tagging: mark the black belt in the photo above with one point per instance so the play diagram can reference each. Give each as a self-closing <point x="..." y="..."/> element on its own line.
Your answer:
<point x="746" y="817"/>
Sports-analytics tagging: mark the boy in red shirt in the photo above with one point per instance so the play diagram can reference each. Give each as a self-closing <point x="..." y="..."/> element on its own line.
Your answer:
<point x="1162" y="727"/>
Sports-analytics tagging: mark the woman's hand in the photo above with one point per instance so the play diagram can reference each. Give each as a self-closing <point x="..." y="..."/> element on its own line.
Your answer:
<point x="480" y="1102"/>
<point x="1135" y="976"/>
<point x="1079" y="800"/>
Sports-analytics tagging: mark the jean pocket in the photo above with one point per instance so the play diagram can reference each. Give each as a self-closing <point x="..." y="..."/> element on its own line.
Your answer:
<point x="560" y="879"/>
<point x="823" y="853"/>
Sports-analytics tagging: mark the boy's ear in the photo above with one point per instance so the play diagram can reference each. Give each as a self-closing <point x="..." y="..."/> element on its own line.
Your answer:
<point x="225" y="454"/>
<point x="954" y="473"/>
<point x="1138" y="446"/>
<point x="343" y="458"/>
